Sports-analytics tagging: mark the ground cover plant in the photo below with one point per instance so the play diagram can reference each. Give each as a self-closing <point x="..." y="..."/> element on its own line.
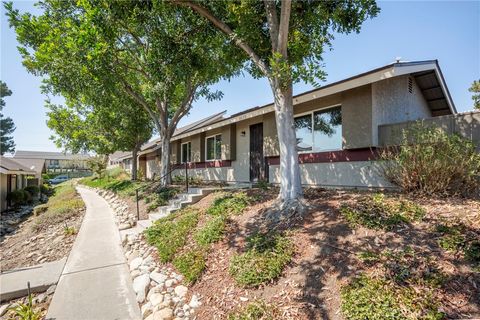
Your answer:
<point x="380" y="212"/>
<point x="256" y="310"/>
<point x="264" y="259"/>
<point x="61" y="206"/>
<point x="457" y="238"/>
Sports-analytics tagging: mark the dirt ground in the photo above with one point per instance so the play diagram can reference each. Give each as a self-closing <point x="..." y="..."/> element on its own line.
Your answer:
<point x="327" y="258"/>
<point x="24" y="248"/>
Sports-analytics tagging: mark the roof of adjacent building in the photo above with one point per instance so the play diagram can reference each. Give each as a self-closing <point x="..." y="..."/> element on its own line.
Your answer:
<point x="37" y="165"/>
<point x="23" y="154"/>
<point x="118" y="155"/>
<point x="10" y="166"/>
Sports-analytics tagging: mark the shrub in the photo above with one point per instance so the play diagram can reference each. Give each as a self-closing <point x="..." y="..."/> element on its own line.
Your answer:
<point x="264" y="259"/>
<point x="430" y="161"/>
<point x="229" y="204"/>
<point x="40" y="209"/>
<point x="370" y="298"/>
<point x="46" y="189"/>
<point x="169" y="234"/>
<point x="377" y="212"/>
<point x="256" y="310"/>
<point x="190" y="264"/>
<point x="212" y="231"/>
<point x="18" y="197"/>
<point x="33" y="190"/>
<point x="161" y="198"/>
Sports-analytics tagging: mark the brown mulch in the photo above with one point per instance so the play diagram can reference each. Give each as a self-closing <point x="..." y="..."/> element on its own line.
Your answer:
<point x="25" y="248"/>
<point x="326" y="258"/>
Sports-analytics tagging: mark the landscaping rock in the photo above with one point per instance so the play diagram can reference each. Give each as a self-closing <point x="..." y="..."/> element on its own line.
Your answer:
<point x="163" y="314"/>
<point x="140" y="285"/>
<point x="136" y="263"/>
<point x="156" y="299"/>
<point x="4" y="309"/>
<point x="181" y="291"/>
<point x="51" y="290"/>
<point x="158" y="277"/>
<point x="194" y="302"/>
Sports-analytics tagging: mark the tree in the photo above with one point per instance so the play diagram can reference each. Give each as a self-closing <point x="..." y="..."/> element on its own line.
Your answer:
<point x="108" y="126"/>
<point x="284" y="42"/>
<point x="7" y="127"/>
<point x="475" y="89"/>
<point x="163" y="57"/>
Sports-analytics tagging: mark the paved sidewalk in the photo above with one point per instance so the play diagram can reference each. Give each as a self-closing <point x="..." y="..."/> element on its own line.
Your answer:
<point x="95" y="283"/>
<point x="13" y="283"/>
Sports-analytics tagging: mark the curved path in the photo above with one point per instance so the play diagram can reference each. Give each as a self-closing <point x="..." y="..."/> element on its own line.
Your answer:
<point x="95" y="283"/>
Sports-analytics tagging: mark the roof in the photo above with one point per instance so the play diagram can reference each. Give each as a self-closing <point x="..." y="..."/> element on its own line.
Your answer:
<point x="22" y="154"/>
<point x="440" y="101"/>
<point x="10" y="166"/>
<point x="154" y="144"/>
<point x="118" y="155"/>
<point x="36" y="165"/>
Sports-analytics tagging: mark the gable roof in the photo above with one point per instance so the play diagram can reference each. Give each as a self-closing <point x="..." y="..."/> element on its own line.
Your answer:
<point x="23" y="154"/>
<point x="427" y="73"/>
<point x="10" y="166"/>
<point x="37" y="165"/>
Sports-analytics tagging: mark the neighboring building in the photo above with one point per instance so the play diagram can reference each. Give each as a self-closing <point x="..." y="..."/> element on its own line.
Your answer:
<point x="55" y="162"/>
<point x="13" y="176"/>
<point x="115" y="159"/>
<point x="337" y="129"/>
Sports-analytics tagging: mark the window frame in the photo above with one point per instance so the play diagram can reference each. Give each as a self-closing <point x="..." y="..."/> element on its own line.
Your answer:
<point x="311" y="112"/>
<point x="190" y="153"/>
<point x="214" y="136"/>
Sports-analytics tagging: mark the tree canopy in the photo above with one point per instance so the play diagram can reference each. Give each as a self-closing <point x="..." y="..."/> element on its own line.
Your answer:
<point x="475" y="89"/>
<point x="7" y="127"/>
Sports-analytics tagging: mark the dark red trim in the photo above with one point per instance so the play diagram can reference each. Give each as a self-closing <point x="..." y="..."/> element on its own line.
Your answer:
<point x="366" y="154"/>
<point x="207" y="164"/>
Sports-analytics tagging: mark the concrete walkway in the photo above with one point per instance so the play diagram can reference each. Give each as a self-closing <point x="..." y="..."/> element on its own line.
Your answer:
<point x="13" y="283"/>
<point x="95" y="283"/>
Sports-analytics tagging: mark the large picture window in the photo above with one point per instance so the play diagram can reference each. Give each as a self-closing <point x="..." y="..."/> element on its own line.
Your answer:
<point x="186" y="152"/>
<point x="214" y="147"/>
<point x="319" y="131"/>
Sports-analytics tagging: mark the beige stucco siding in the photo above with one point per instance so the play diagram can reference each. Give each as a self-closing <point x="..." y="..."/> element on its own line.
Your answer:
<point x="339" y="174"/>
<point x="392" y="102"/>
<point x="357" y="118"/>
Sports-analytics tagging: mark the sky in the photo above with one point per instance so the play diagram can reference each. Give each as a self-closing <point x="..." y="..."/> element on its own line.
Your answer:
<point x="411" y="30"/>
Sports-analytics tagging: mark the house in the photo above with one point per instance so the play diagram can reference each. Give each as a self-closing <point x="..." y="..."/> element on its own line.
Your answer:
<point x="337" y="128"/>
<point x="115" y="159"/>
<point x="13" y="176"/>
<point x="52" y="162"/>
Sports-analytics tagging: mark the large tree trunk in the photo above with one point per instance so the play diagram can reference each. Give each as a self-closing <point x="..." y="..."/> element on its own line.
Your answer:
<point x="291" y="192"/>
<point x="134" y="163"/>
<point x="165" y="162"/>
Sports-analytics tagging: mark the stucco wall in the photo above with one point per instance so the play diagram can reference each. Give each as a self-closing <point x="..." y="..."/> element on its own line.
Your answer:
<point x="339" y="174"/>
<point x="357" y="118"/>
<point x="153" y="168"/>
<point x="392" y="102"/>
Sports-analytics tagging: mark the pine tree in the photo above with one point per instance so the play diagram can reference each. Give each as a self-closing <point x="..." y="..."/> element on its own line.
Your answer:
<point x="475" y="89"/>
<point x="6" y="124"/>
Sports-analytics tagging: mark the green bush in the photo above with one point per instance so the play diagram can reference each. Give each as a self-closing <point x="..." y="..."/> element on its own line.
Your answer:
<point x="169" y="234"/>
<point x="212" y="231"/>
<point x="264" y="259"/>
<point x="256" y="310"/>
<point x="229" y="203"/>
<point x="190" y="264"/>
<point x="33" y="190"/>
<point x="378" y="212"/>
<point x="40" y="209"/>
<point x="18" y="197"/>
<point x="160" y="198"/>
<point x="370" y="298"/>
<point x="46" y="189"/>
<point x="429" y="161"/>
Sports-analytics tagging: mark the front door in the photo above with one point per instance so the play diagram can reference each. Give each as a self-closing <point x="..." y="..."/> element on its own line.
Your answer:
<point x="257" y="165"/>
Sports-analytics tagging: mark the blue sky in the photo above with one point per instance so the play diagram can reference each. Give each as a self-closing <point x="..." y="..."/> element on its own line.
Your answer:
<point x="445" y="30"/>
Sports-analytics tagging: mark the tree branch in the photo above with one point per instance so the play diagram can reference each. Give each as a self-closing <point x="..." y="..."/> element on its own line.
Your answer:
<point x="229" y="32"/>
<point x="283" y="29"/>
<point x="184" y="108"/>
<point x="272" y="19"/>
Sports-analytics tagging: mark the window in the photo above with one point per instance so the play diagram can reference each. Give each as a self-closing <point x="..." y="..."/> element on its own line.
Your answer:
<point x="214" y="147"/>
<point x="186" y="152"/>
<point x="319" y="131"/>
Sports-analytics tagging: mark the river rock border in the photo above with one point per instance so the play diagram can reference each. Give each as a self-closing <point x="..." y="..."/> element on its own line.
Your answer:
<point x="160" y="292"/>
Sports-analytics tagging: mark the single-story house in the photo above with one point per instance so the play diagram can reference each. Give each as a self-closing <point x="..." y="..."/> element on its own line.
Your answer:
<point x="13" y="176"/>
<point x="337" y="128"/>
<point x="115" y="159"/>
